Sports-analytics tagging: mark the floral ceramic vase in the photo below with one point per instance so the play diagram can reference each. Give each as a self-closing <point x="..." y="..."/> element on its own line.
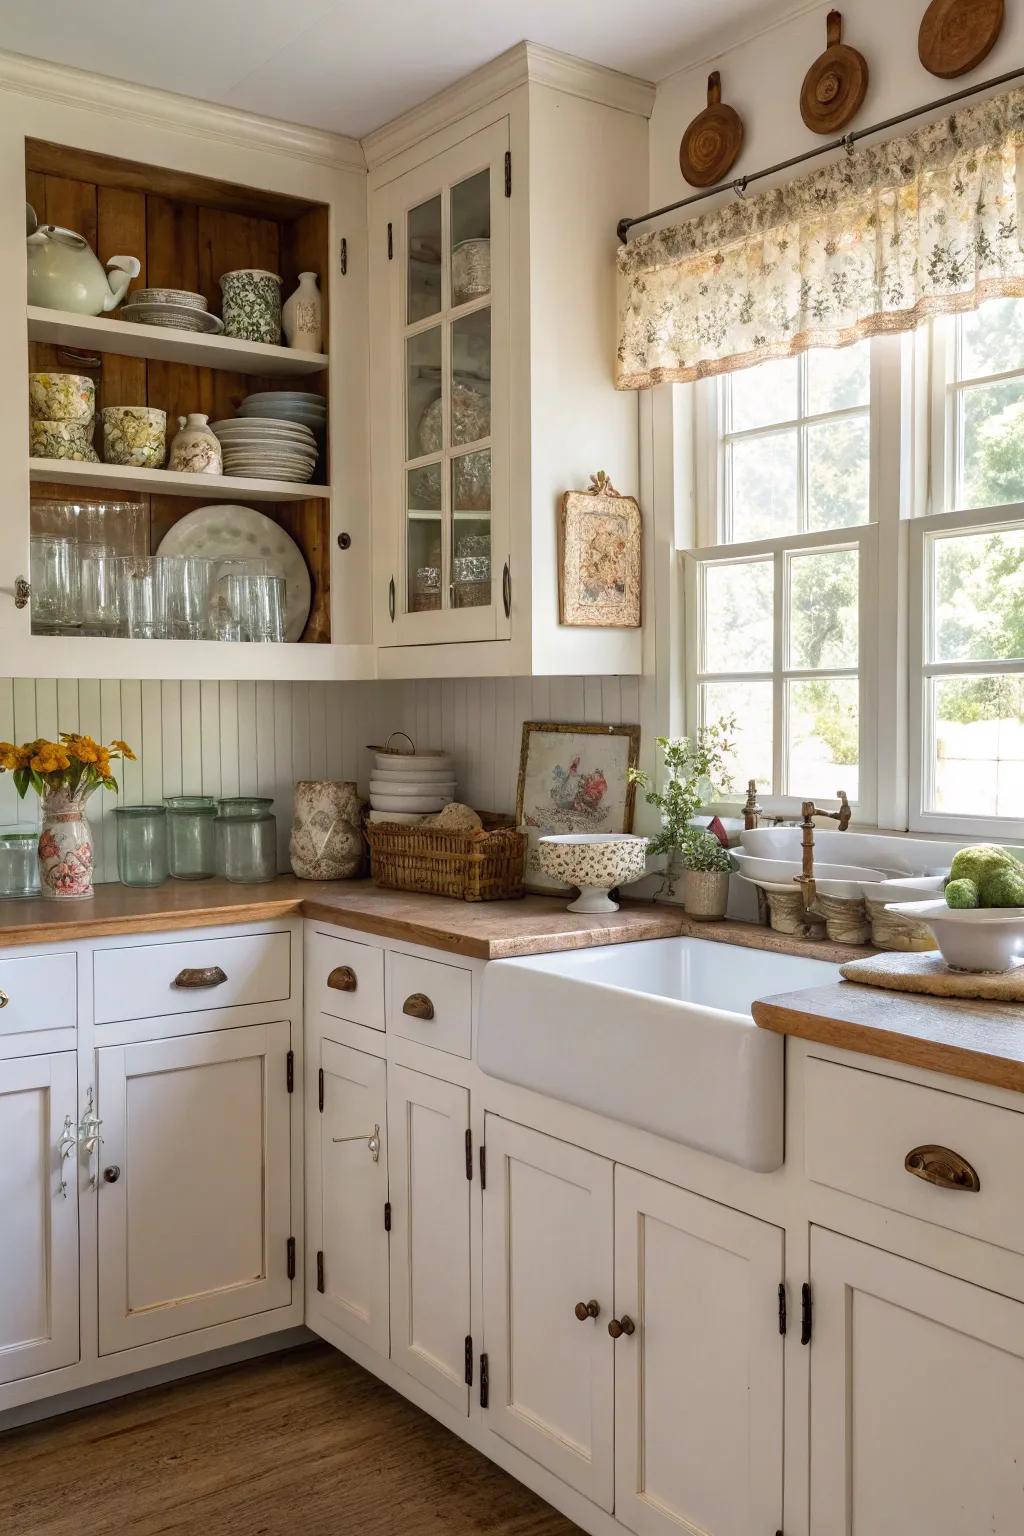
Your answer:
<point x="327" y="838"/>
<point x="195" y="450"/>
<point x="65" y="847"/>
<point x="251" y="305"/>
<point x="302" y="315"/>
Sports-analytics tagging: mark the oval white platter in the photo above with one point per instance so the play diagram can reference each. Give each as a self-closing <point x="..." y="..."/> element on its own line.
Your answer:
<point x="225" y="531"/>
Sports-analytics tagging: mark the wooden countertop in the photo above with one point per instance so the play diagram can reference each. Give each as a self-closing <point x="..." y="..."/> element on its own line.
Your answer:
<point x="978" y="1040"/>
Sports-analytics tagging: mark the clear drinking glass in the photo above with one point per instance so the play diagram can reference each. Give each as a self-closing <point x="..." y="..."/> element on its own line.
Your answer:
<point x="189" y="582"/>
<point x="265" y="608"/>
<point x="191" y="836"/>
<point x="56" y="584"/>
<point x="141" y="844"/>
<point x="144" y="593"/>
<point x="101" y="577"/>
<point x="19" y="864"/>
<point x="246" y="839"/>
<point x="230" y="605"/>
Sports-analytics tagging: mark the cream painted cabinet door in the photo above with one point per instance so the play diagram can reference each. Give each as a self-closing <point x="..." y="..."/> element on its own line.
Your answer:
<point x="548" y="1246"/>
<point x="917" y="1399"/>
<point x="698" y="1384"/>
<point x="430" y="1319"/>
<point x="39" y="1202"/>
<point x="348" y="1204"/>
<point x="194" y="1196"/>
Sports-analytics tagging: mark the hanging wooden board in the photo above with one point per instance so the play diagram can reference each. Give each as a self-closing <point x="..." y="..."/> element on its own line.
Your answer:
<point x="956" y="35"/>
<point x="712" y="141"/>
<point x="836" y="83"/>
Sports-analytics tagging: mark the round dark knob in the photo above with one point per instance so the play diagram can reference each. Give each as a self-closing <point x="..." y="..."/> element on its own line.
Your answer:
<point x="587" y="1309"/>
<point x="621" y="1325"/>
<point x="112" y="1174"/>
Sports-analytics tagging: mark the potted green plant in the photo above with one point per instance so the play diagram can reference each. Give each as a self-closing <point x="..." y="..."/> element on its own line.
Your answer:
<point x="695" y="770"/>
<point x="706" y="877"/>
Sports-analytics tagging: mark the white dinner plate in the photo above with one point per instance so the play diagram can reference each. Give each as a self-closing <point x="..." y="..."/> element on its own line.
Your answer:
<point x="225" y="531"/>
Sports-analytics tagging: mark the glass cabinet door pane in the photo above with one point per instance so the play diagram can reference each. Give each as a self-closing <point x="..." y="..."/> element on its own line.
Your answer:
<point x="471" y="238"/>
<point x="424" y="406"/>
<point x="471" y="530"/>
<point x="471" y="378"/>
<point x="423" y="246"/>
<point x="423" y="538"/>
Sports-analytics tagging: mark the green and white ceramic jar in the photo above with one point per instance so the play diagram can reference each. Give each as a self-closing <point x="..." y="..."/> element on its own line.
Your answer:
<point x="251" y="305"/>
<point x="135" y="435"/>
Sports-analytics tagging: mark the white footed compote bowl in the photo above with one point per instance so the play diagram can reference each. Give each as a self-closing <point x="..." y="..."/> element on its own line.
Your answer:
<point x="971" y="938"/>
<point x="596" y="862"/>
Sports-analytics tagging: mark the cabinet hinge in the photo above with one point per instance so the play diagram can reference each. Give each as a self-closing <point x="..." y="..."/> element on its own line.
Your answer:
<point x="320" y="1270"/>
<point x="469" y="1153"/>
<point x="289" y="1071"/>
<point x="343" y="257"/>
<point x="806" y="1313"/>
<point x="469" y="1359"/>
<point x="387" y="1215"/>
<point x="783" y="1320"/>
<point x="508" y="173"/>
<point x="483" y="1165"/>
<point x="291" y="1258"/>
<point x="320" y="1089"/>
<point x="485" y="1382"/>
<point x="391" y="243"/>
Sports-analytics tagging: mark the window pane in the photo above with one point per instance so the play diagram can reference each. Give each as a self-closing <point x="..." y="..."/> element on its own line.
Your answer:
<point x="978" y="597"/>
<point x="423" y="538"/>
<point x="838" y="377"/>
<point x="424" y="407"/>
<point x="992" y="339"/>
<point x="838" y="481"/>
<point x="764" y="486"/>
<point x="424" y="276"/>
<point x="823" y="606"/>
<point x="978" y="734"/>
<point x="471" y="385"/>
<point x="824" y="754"/>
<point x="471" y="238"/>
<point x="751" y="703"/>
<point x="990" y="453"/>
<point x="764" y="394"/>
<point x="737" y="616"/>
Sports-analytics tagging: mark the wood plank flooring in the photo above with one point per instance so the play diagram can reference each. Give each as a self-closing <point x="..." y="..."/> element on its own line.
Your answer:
<point x="304" y="1443"/>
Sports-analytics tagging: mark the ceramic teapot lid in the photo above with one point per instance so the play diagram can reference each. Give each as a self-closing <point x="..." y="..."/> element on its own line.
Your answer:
<point x="63" y="236"/>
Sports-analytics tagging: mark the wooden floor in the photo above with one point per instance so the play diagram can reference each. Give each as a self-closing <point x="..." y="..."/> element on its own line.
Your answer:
<point x="302" y="1443"/>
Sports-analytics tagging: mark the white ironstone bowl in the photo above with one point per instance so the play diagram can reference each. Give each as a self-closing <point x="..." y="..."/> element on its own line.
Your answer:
<point x="971" y="938"/>
<point x="594" y="861"/>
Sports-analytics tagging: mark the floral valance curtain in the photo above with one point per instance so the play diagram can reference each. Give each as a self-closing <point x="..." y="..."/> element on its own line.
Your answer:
<point x="920" y="225"/>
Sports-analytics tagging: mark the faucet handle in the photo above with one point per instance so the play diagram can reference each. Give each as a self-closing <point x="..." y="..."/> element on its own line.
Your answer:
<point x="845" y="813"/>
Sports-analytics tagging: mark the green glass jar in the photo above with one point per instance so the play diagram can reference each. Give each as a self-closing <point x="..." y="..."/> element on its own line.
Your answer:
<point x="141" y="844"/>
<point x="246" y="839"/>
<point x="191" y="836"/>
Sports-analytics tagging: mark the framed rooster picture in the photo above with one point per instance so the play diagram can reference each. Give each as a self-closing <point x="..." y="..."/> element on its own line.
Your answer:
<point x="573" y="778"/>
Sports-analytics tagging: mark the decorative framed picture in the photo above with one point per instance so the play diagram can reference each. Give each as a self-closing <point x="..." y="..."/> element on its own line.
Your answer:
<point x="573" y="778"/>
<point x="599" y="570"/>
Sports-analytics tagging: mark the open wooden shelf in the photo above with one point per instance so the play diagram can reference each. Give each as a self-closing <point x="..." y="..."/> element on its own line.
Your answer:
<point x="92" y="333"/>
<point x="165" y="482"/>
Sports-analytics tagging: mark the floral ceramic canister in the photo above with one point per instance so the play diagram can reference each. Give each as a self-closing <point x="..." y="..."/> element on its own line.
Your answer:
<point x="62" y="440"/>
<point x="135" y="435"/>
<point x="251" y="305"/>
<point x="303" y="315"/>
<point x="61" y="397"/>
<point x="195" y="450"/>
<point x="327" y="839"/>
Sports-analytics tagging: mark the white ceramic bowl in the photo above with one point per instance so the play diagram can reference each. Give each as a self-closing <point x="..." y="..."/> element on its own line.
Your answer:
<point x="408" y="764"/>
<point x="782" y="870"/>
<point x="424" y="804"/>
<point x="401" y="789"/>
<point x="972" y="939"/>
<point x="905" y="888"/>
<point x="594" y="861"/>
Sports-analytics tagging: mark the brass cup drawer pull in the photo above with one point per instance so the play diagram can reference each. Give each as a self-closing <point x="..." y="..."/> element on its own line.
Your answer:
<point x="342" y="979"/>
<point x="585" y="1310"/>
<point x="418" y="1006"/>
<point x="4" y="999"/>
<point x="941" y="1166"/>
<point x="200" y="976"/>
<point x="621" y="1325"/>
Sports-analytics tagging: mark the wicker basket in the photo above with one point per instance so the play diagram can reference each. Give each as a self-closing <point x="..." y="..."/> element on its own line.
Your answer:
<point x="441" y="863"/>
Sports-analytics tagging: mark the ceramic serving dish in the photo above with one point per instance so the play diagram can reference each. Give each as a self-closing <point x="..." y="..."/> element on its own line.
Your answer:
<point x="596" y="862"/>
<point x="62" y="440"/>
<point x="135" y="435"/>
<point x="61" y="397"/>
<point x="975" y="939"/>
<point x="756" y="868"/>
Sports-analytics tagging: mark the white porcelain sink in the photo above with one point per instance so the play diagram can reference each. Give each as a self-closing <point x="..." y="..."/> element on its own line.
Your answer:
<point x="657" y="1034"/>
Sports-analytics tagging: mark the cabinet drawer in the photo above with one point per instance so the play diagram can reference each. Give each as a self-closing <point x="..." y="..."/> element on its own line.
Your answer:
<point x="37" y="992"/>
<point x="345" y="979"/>
<point x="432" y="1003"/>
<point x="862" y="1127"/>
<point x="189" y="975"/>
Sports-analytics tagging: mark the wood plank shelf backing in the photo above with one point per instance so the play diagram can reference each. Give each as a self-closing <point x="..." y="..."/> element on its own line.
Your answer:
<point x="166" y="482"/>
<point x="95" y="334"/>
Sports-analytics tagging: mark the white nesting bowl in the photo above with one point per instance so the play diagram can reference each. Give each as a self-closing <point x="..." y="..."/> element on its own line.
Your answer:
<point x="411" y="764"/>
<point x="973" y="938"/>
<point x="413" y="803"/>
<point x="594" y="861"/>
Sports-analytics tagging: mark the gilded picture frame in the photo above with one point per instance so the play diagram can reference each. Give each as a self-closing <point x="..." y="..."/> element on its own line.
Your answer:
<point x="600" y="558"/>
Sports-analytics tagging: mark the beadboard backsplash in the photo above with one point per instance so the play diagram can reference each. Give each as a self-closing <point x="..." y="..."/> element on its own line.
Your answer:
<point x="230" y="738"/>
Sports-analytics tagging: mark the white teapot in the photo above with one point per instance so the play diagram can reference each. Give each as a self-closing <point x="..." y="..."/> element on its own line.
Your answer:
<point x="64" y="272"/>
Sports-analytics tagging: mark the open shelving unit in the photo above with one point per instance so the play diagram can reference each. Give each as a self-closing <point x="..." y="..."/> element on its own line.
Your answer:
<point x="165" y="482"/>
<point x="101" y="333"/>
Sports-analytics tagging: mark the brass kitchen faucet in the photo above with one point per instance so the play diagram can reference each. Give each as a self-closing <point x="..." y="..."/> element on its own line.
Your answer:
<point x="809" y="810"/>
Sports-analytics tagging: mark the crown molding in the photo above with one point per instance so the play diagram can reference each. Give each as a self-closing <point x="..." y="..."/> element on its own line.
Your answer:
<point x="167" y="109"/>
<point x="717" y="45"/>
<point x="524" y="63"/>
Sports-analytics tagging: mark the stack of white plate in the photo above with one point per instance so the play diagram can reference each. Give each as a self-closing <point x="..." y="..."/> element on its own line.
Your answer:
<point x="267" y="449"/>
<point x="177" y="308"/>
<point x="408" y="785"/>
<point x="287" y="405"/>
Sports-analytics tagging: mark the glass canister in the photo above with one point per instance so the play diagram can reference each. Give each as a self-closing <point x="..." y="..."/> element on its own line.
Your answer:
<point x="191" y="836"/>
<point x="141" y="844"/>
<point x="246" y="839"/>
<point x="19" y="866"/>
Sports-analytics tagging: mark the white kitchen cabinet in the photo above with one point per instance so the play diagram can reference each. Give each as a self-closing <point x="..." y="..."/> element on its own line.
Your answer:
<point x="428" y="1124"/>
<point x="698" y="1385"/>
<point x="39" y="1202"/>
<point x="349" y="1215"/>
<point x="917" y="1398"/>
<point x="194" y="1191"/>
<point x="547" y="1247"/>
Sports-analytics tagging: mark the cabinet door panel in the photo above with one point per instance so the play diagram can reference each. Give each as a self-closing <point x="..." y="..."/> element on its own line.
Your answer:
<point x="917" y="1398"/>
<point x="194" y="1229"/>
<point x="547" y="1246"/>
<point x="354" y="1189"/>
<point x="39" y="1269"/>
<point x="427" y="1121"/>
<point x="698" y="1386"/>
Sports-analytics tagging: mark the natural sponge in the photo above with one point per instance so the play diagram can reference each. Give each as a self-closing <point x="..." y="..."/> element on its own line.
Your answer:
<point x="985" y="876"/>
<point x="962" y="893"/>
<point x="974" y="863"/>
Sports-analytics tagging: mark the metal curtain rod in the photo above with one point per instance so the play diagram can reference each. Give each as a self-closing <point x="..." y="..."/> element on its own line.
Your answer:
<point x="848" y="140"/>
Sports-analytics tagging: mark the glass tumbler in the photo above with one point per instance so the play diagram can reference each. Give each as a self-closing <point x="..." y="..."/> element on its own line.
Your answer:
<point x="144" y="593"/>
<point x="56" y="584"/>
<point x="265" y="606"/>
<point x="141" y="844"/>
<point x="231" y="603"/>
<point x="19" y="865"/>
<point x="101" y="592"/>
<point x="191" y="836"/>
<point x="189" y="580"/>
<point x="246" y="839"/>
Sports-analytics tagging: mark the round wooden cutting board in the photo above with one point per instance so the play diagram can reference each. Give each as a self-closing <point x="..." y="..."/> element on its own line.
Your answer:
<point x="712" y="141"/>
<point x="835" y="85"/>
<point x="956" y="35"/>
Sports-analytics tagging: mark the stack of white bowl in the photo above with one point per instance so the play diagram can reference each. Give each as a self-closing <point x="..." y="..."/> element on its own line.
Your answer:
<point x="406" y="786"/>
